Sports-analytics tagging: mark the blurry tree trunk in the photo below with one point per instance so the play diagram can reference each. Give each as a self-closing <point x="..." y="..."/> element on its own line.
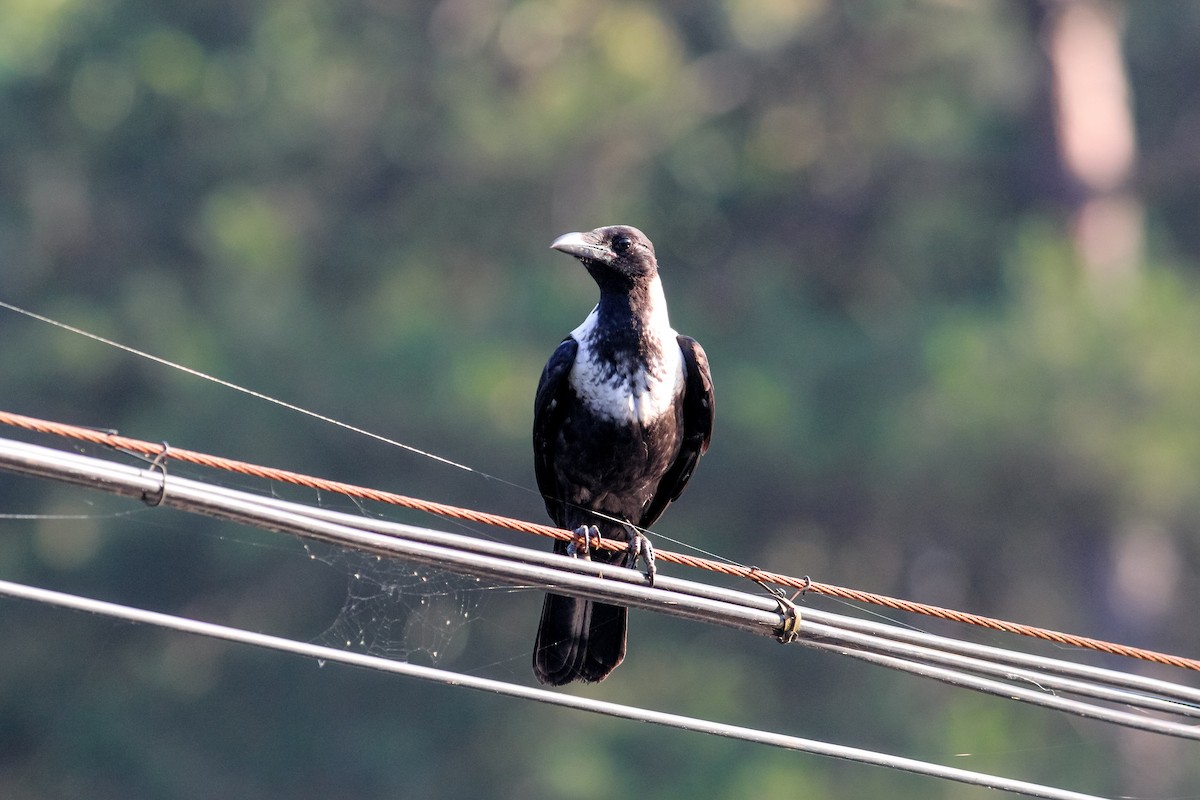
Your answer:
<point x="1096" y="146"/>
<point x="1094" y="128"/>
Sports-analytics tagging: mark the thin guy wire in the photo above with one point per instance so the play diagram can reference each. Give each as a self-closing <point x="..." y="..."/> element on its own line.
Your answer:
<point x="495" y="561"/>
<point x="289" y="406"/>
<point x="432" y="674"/>
<point x="118" y="442"/>
<point x="237" y="388"/>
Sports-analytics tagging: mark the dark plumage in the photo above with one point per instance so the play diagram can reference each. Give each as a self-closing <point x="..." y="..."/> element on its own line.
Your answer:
<point x="624" y="410"/>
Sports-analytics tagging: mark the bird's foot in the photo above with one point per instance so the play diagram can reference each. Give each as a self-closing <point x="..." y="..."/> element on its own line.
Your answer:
<point x="581" y="545"/>
<point x="640" y="547"/>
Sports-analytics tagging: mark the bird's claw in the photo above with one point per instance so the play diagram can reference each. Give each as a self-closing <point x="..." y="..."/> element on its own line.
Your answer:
<point x="581" y="545"/>
<point x="640" y="547"/>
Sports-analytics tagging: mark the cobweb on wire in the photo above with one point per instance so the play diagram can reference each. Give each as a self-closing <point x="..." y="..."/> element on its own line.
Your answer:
<point x="393" y="609"/>
<point x="397" y="609"/>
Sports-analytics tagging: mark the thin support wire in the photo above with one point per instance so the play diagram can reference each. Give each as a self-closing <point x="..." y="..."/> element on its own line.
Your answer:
<point x="237" y="388"/>
<point x="432" y="674"/>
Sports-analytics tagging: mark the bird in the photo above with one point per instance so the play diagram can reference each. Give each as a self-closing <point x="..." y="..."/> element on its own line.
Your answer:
<point x="622" y="414"/>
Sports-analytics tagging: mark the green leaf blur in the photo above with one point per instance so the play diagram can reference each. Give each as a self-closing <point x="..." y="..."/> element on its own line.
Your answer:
<point x="861" y="211"/>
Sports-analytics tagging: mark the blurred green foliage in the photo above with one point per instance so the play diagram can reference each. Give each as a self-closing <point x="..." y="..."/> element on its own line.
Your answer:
<point x="348" y="205"/>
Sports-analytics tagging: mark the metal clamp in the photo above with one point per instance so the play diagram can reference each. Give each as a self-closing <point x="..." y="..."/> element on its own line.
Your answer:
<point x="159" y="462"/>
<point x="788" y="630"/>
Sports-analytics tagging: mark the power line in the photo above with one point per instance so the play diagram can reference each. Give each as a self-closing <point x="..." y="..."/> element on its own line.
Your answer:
<point x="977" y="667"/>
<point x="723" y="565"/>
<point x="1047" y="674"/>
<point x="677" y="721"/>
<point x="111" y="439"/>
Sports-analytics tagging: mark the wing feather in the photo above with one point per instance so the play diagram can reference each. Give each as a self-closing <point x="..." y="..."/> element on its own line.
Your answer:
<point x="699" y="407"/>
<point x="548" y="409"/>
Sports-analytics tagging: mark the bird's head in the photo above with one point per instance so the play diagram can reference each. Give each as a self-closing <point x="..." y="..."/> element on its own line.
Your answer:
<point x="616" y="256"/>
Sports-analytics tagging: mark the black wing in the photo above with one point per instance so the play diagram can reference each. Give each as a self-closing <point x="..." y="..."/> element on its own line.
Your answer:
<point x="699" y="406"/>
<point x="548" y="409"/>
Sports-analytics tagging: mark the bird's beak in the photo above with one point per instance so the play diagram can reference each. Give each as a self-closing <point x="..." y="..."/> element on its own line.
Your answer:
<point x="581" y="245"/>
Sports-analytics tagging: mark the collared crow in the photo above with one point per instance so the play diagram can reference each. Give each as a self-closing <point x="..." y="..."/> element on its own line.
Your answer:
<point x="623" y="412"/>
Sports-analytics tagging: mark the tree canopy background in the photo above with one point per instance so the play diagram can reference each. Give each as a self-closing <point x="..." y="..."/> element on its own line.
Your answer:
<point x="943" y="257"/>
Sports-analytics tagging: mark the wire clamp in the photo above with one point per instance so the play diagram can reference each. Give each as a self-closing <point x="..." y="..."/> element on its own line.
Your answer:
<point x="788" y="631"/>
<point x="159" y="462"/>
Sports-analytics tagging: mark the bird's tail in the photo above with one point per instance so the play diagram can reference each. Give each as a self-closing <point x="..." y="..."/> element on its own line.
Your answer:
<point x="578" y="640"/>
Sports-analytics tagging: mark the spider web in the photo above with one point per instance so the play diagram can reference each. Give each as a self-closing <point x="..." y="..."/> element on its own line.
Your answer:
<point x="397" y="609"/>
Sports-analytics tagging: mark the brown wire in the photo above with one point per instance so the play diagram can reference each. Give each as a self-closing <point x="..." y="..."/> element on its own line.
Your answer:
<point x="161" y="453"/>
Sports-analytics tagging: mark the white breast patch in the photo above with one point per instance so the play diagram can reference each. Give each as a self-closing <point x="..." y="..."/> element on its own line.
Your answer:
<point x="639" y="396"/>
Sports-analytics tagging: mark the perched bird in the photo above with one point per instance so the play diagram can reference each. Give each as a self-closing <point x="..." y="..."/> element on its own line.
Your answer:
<point x="623" y="412"/>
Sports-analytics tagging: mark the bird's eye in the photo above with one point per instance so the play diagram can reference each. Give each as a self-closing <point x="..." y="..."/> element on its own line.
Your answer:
<point x="621" y="244"/>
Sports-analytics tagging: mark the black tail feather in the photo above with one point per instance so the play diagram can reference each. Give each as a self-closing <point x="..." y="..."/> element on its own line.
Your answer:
<point x="578" y="640"/>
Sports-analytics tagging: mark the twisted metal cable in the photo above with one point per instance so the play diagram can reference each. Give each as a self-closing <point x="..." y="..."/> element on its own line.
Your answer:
<point x="163" y="453"/>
